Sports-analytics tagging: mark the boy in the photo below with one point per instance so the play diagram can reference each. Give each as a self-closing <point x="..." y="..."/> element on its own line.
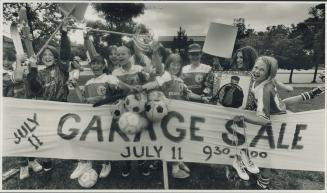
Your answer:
<point x="131" y="74"/>
<point x="95" y="90"/>
<point x="195" y="73"/>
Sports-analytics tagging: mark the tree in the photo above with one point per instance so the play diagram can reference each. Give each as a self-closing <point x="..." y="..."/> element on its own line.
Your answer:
<point x="119" y="17"/>
<point x="40" y="24"/>
<point x="291" y="55"/>
<point x="312" y="31"/>
<point x="180" y="44"/>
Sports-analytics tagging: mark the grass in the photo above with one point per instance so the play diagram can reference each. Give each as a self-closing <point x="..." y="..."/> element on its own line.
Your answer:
<point x="203" y="176"/>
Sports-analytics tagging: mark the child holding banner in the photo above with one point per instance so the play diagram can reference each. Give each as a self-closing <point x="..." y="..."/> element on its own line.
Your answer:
<point x="195" y="73"/>
<point x="51" y="82"/>
<point x="12" y="88"/>
<point x="173" y="87"/>
<point x="267" y="102"/>
<point x="131" y="74"/>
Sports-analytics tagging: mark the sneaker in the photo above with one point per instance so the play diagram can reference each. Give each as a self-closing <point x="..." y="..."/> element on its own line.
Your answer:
<point x="259" y="187"/>
<point x="228" y="173"/>
<point x="126" y="171"/>
<point x="24" y="173"/>
<point x="184" y="167"/>
<point x="250" y="166"/>
<point x="317" y="91"/>
<point x="240" y="168"/>
<point x="177" y="172"/>
<point x="80" y="169"/>
<point x="105" y="171"/>
<point x="155" y="165"/>
<point x="145" y="170"/>
<point x="36" y="167"/>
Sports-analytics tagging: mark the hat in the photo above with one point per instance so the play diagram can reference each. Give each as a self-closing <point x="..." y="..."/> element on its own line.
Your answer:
<point x="236" y="78"/>
<point x="194" y="48"/>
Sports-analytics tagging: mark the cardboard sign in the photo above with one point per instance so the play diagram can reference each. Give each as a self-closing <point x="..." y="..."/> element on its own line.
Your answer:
<point x="79" y="11"/>
<point x="190" y="132"/>
<point x="220" y="40"/>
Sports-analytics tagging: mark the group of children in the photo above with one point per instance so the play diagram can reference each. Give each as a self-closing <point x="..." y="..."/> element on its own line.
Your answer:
<point x="129" y="69"/>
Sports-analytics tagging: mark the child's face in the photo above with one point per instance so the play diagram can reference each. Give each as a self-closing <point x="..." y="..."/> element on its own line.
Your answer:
<point x="260" y="71"/>
<point x="113" y="56"/>
<point x="175" y="67"/>
<point x="123" y="56"/>
<point x="48" y="58"/>
<point x="195" y="57"/>
<point x="97" y="69"/>
<point x="239" y="59"/>
<point x="7" y="64"/>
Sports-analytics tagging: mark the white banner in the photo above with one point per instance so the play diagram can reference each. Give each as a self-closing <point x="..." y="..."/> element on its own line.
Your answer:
<point x="191" y="132"/>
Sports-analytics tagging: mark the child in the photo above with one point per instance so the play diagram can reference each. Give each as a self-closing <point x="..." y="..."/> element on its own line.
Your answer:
<point x="7" y="83"/>
<point x="11" y="88"/>
<point x="267" y="103"/>
<point x="75" y="68"/>
<point x="174" y="88"/>
<point x="95" y="90"/>
<point x="195" y="73"/>
<point x="131" y="74"/>
<point x="51" y="83"/>
<point x="112" y="59"/>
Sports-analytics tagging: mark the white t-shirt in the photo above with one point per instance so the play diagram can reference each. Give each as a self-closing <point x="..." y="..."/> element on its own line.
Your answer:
<point x="131" y="76"/>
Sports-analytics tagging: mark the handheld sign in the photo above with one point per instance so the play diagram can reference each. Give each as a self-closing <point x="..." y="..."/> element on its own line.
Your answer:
<point x="220" y="40"/>
<point x="78" y="12"/>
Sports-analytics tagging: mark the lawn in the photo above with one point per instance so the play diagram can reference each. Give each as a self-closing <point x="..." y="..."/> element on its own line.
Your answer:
<point x="203" y="176"/>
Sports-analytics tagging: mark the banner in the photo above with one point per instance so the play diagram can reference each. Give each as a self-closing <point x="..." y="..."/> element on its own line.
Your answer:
<point x="191" y="132"/>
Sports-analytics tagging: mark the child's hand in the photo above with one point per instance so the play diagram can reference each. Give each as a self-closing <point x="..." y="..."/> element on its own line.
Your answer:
<point x="21" y="58"/>
<point x="137" y="88"/>
<point x="206" y="100"/>
<point x="239" y="118"/>
<point x="32" y="61"/>
<point x="93" y="100"/>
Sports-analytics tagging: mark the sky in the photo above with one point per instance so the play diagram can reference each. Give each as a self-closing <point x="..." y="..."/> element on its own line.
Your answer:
<point x="166" y="18"/>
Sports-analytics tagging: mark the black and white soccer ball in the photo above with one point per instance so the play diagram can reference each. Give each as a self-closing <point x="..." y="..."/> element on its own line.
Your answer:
<point x="135" y="102"/>
<point x="131" y="123"/>
<point x="155" y="111"/>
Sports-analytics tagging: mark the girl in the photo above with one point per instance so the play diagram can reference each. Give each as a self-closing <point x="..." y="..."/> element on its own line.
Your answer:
<point x="112" y="60"/>
<point x="51" y="82"/>
<point x="267" y="102"/>
<point x="173" y="87"/>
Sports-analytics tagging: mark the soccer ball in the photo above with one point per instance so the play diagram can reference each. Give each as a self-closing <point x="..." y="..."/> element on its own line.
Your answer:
<point x="118" y="110"/>
<point x="155" y="111"/>
<point x="131" y="123"/>
<point x="88" y="178"/>
<point x="156" y="96"/>
<point x="135" y="102"/>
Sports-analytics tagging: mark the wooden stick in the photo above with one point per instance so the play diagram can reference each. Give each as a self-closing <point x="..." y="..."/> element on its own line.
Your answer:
<point x="101" y="31"/>
<point x="54" y="33"/>
<point x="165" y="174"/>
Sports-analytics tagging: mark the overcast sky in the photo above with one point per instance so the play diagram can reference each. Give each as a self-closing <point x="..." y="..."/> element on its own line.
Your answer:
<point x="165" y="18"/>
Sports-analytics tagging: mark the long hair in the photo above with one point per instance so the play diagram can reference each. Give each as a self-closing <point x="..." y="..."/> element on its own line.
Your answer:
<point x="110" y="66"/>
<point x="249" y="57"/>
<point x="53" y="50"/>
<point x="170" y="59"/>
<point x="272" y="66"/>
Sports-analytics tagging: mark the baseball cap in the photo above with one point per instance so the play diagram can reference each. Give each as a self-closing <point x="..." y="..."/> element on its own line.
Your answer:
<point x="194" y="48"/>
